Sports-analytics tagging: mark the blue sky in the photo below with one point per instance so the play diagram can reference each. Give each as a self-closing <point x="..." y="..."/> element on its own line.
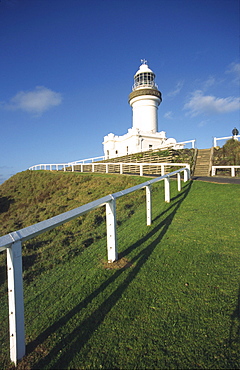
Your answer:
<point x="67" y="66"/>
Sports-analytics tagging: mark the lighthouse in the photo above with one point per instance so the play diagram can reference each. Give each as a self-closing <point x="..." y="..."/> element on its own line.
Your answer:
<point x="144" y="99"/>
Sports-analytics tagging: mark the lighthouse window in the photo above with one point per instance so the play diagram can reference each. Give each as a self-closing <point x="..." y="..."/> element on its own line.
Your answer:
<point x="151" y="77"/>
<point x="137" y="80"/>
<point x="144" y="79"/>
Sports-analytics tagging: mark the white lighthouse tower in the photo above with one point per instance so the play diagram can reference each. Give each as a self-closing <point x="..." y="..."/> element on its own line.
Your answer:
<point x="144" y="100"/>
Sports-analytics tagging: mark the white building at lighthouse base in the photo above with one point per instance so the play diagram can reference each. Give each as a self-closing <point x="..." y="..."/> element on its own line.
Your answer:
<point x="135" y="141"/>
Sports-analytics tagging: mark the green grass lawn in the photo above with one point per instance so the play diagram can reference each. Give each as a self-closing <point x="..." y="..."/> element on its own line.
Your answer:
<point x="172" y="300"/>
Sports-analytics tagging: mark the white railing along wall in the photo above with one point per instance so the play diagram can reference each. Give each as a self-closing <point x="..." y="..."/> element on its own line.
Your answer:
<point x="193" y="143"/>
<point x="231" y="168"/>
<point x="13" y="244"/>
<point x="216" y="139"/>
<point x="119" y="166"/>
<point x="101" y="158"/>
<point x="63" y="166"/>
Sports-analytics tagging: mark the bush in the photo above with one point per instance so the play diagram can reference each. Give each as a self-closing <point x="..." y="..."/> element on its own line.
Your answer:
<point x="228" y="155"/>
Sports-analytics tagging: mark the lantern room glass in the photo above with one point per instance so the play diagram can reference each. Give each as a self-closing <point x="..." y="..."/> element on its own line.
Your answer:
<point x="145" y="79"/>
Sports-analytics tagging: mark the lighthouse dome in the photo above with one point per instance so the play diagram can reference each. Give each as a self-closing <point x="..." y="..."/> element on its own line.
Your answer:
<point x="143" y="68"/>
<point x="144" y="77"/>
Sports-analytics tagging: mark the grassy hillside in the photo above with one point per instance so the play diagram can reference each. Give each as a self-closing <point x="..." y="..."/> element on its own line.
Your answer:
<point x="172" y="301"/>
<point x="33" y="196"/>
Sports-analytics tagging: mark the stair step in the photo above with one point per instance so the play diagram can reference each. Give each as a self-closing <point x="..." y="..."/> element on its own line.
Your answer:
<point x="202" y="162"/>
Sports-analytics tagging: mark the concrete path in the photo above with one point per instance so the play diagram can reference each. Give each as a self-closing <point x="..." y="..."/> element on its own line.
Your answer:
<point x="219" y="180"/>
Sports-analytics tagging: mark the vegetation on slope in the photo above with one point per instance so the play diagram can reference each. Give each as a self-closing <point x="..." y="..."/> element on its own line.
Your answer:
<point x="172" y="303"/>
<point x="33" y="196"/>
<point x="158" y="156"/>
<point x="228" y="155"/>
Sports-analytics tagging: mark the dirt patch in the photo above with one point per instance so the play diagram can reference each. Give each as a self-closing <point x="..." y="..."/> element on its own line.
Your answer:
<point x="121" y="263"/>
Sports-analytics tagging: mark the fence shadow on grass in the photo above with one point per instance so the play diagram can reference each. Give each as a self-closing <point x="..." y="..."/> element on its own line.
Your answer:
<point x="73" y="342"/>
<point x="234" y="333"/>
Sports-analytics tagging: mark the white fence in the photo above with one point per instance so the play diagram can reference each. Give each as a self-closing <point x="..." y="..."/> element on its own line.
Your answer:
<point x="215" y="139"/>
<point x="232" y="168"/>
<point x="63" y="166"/>
<point x="193" y="143"/>
<point x="13" y="244"/>
<point x="118" y="166"/>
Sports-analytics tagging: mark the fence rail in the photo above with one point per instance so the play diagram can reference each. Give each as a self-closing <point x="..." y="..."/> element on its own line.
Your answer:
<point x="193" y="142"/>
<point x="119" y="167"/>
<point x="63" y="166"/>
<point x="232" y="168"/>
<point x="215" y="139"/>
<point x="12" y="242"/>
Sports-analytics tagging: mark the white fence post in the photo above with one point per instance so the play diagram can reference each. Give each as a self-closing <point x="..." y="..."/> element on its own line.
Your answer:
<point x="111" y="222"/>
<point x="167" y="189"/>
<point x="185" y="175"/>
<point x="232" y="171"/>
<point x="179" y="180"/>
<point x="121" y="168"/>
<point x="106" y="167"/>
<point x="149" y="205"/>
<point x="141" y="169"/>
<point x="15" y="301"/>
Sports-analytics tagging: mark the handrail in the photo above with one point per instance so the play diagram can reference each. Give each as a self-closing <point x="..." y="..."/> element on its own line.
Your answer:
<point x="214" y="168"/>
<point x="66" y="164"/>
<point x="12" y="242"/>
<point x="215" y="139"/>
<point x="102" y="157"/>
<point x="188" y="141"/>
<point x="34" y="230"/>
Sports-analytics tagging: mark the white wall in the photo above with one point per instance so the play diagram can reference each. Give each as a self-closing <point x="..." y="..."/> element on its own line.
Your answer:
<point x="145" y="113"/>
